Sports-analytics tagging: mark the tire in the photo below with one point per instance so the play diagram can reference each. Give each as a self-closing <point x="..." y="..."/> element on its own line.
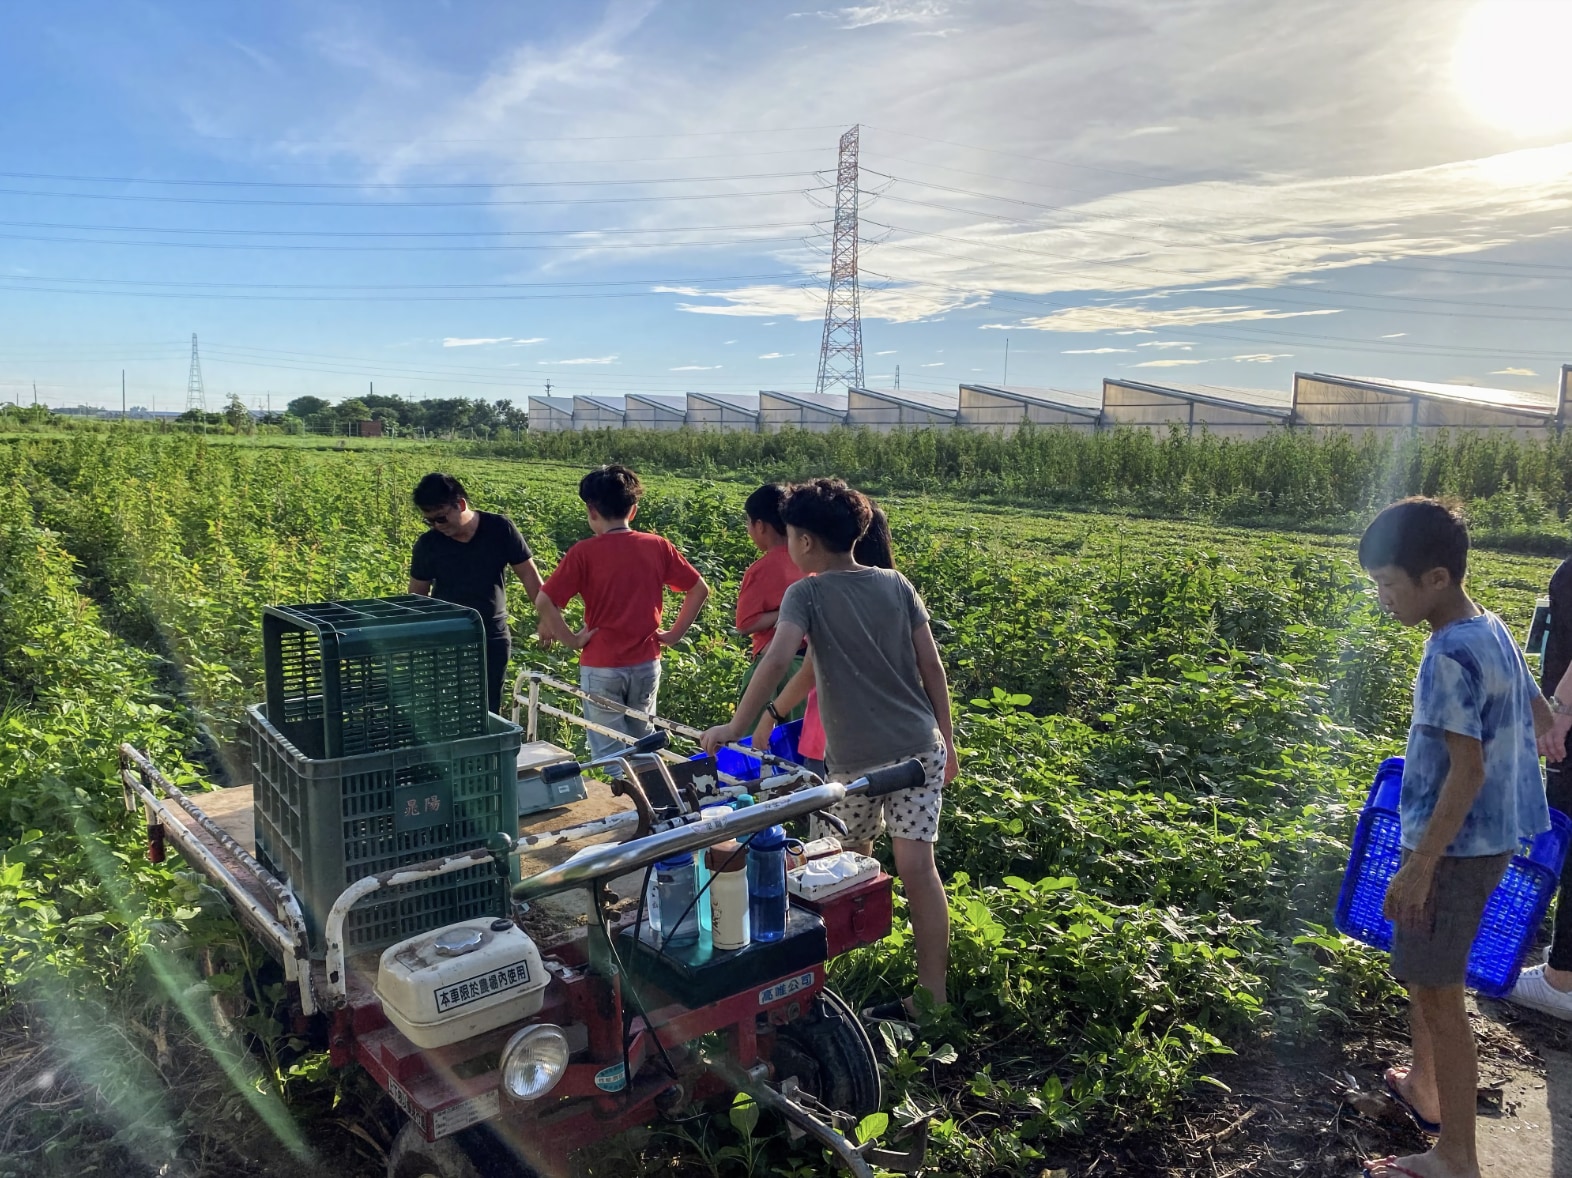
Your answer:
<point x="831" y="1056"/>
<point x="473" y="1153"/>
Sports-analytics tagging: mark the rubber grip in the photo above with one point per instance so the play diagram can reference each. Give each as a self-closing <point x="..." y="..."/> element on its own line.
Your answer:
<point x="651" y="742"/>
<point x="558" y="771"/>
<point x="907" y="775"/>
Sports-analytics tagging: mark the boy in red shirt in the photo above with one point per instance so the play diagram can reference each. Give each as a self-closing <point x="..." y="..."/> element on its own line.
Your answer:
<point x="622" y="576"/>
<point x="766" y="581"/>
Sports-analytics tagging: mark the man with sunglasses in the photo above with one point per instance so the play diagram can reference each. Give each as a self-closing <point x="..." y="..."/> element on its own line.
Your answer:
<point x="464" y="557"/>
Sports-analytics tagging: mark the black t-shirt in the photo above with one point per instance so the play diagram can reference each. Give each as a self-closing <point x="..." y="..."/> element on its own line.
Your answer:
<point x="472" y="573"/>
<point x="1558" y="636"/>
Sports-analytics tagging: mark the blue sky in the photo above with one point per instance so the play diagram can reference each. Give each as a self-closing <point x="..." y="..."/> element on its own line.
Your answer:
<point x="473" y="198"/>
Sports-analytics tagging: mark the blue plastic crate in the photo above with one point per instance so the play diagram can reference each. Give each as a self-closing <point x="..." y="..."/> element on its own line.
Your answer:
<point x="783" y="744"/>
<point x="1516" y="908"/>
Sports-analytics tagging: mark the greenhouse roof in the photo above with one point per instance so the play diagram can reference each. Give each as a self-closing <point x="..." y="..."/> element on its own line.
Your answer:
<point x="1085" y="404"/>
<point x="929" y="402"/>
<point x="1270" y="402"/>
<point x="1515" y="400"/>
<point x="746" y="402"/>
<point x="824" y="402"/>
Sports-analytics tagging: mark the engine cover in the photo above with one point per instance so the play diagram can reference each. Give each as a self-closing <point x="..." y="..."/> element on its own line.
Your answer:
<point x="453" y="983"/>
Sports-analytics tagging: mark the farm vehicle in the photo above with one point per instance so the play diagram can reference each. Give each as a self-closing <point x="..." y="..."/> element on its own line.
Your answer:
<point x="558" y="1017"/>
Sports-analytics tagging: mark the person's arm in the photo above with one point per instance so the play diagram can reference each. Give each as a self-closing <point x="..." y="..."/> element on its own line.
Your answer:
<point x="1553" y="734"/>
<point x="771" y="666"/>
<point x="419" y="588"/>
<point x="529" y="575"/>
<point x="785" y="700"/>
<point x="692" y="602"/>
<point x="931" y="667"/>
<point x="759" y="622"/>
<point x="552" y="628"/>
<point x="1408" y="896"/>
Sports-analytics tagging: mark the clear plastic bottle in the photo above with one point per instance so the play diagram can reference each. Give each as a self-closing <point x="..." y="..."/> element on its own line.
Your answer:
<point x="767" y="883"/>
<point x="706" y="903"/>
<point x="676" y="888"/>
<point x="728" y="865"/>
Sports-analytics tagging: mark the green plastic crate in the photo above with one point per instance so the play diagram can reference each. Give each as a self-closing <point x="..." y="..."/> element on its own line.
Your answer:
<point x="352" y="677"/>
<point x="323" y="824"/>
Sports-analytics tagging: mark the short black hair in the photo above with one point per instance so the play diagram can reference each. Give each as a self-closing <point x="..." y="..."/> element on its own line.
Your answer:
<point x="612" y="490"/>
<point x="764" y="506"/>
<point x="830" y="510"/>
<point x="438" y="490"/>
<point x="1417" y="535"/>
<point x="875" y="548"/>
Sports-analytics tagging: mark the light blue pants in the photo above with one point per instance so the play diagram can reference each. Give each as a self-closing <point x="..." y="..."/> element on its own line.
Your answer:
<point x="635" y="686"/>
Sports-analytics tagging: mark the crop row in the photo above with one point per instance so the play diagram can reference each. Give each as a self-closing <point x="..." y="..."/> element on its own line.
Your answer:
<point x="1160" y="744"/>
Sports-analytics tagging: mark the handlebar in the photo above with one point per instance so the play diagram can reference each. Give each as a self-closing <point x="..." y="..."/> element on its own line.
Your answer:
<point x="651" y="742"/>
<point x="612" y="860"/>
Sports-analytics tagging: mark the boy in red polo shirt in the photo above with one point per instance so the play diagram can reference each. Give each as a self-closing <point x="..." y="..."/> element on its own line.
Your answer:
<point x="622" y="576"/>
<point x="766" y="581"/>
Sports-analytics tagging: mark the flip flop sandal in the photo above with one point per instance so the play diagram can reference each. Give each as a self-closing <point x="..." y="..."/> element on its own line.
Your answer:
<point x="1391" y="1168"/>
<point x="1431" y="1127"/>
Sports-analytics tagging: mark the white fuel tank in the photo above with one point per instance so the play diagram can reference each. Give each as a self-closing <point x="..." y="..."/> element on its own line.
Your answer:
<point x="453" y="983"/>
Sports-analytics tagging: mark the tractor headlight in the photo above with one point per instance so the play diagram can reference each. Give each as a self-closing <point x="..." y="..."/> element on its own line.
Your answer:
<point x="533" y="1061"/>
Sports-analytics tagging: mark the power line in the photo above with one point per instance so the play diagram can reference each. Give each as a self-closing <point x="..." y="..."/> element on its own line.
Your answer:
<point x="272" y="247"/>
<point x="407" y="204"/>
<point x="379" y="233"/>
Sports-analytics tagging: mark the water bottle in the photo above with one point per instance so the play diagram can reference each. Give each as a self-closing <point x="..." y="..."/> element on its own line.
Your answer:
<point x="728" y="865"/>
<point x="767" y="884"/>
<point x="675" y="889"/>
<point x="706" y="903"/>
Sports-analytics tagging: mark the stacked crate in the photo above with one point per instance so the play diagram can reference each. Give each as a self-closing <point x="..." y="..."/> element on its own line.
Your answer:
<point x="375" y="750"/>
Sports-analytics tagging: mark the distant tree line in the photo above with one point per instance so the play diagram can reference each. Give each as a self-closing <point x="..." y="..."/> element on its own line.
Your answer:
<point x="439" y="416"/>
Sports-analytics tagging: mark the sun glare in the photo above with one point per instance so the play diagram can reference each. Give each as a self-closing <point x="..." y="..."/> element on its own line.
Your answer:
<point x="1510" y="65"/>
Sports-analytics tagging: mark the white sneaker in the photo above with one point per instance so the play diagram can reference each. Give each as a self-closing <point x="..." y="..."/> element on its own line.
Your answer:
<point x="1534" y="992"/>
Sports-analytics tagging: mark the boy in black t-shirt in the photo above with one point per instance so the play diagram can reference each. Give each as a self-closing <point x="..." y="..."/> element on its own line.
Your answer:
<point x="464" y="558"/>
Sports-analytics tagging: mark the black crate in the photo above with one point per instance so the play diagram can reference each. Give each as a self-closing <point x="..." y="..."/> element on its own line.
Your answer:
<point x="352" y="677"/>
<point x="323" y="824"/>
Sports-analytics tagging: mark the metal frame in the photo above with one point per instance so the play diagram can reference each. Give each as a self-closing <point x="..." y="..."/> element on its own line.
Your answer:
<point x="284" y="931"/>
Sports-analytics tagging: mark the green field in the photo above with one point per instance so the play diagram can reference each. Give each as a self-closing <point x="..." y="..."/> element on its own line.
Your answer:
<point x="1165" y="727"/>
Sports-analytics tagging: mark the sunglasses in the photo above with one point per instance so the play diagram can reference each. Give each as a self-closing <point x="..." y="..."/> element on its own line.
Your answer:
<point x="436" y="521"/>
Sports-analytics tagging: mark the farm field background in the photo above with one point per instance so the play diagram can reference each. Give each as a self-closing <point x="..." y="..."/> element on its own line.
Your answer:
<point x="1165" y="727"/>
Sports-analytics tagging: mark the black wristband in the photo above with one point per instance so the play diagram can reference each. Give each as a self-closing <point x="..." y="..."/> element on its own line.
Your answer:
<point x="774" y="715"/>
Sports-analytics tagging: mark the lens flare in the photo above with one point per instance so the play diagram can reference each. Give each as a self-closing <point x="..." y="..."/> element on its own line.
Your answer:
<point x="1509" y="65"/>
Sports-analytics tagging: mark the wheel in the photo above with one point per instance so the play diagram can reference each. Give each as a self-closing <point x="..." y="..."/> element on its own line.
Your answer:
<point x="831" y="1056"/>
<point x="473" y="1153"/>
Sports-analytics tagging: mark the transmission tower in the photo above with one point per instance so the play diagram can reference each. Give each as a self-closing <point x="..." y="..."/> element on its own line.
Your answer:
<point x="196" y="397"/>
<point x="840" y="355"/>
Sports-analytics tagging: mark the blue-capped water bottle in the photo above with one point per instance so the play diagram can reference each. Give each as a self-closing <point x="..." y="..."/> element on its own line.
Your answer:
<point x="676" y="888"/>
<point x="767" y="883"/>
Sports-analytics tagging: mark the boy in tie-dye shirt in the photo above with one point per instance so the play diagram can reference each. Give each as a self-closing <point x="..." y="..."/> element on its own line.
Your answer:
<point x="1472" y="792"/>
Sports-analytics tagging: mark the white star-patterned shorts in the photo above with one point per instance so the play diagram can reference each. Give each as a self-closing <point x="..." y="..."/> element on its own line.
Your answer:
<point x="907" y="813"/>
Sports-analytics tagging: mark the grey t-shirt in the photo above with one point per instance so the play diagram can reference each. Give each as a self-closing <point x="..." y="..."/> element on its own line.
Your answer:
<point x="871" y="696"/>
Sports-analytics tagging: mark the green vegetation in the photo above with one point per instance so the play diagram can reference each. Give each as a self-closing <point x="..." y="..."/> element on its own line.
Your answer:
<point x="1164" y="730"/>
<point x="1286" y="478"/>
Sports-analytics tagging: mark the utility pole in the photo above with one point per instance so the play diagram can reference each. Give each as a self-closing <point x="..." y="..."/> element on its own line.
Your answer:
<point x="897" y="378"/>
<point x="840" y="353"/>
<point x="1006" y="380"/>
<point x="35" y="392"/>
<point x="196" y="395"/>
<point x="548" y="386"/>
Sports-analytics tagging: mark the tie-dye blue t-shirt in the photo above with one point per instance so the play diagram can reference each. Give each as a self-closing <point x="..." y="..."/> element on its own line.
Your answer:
<point x="1474" y="681"/>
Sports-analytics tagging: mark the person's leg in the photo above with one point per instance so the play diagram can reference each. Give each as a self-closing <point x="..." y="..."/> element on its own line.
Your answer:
<point x="1417" y="1082"/>
<point x="1558" y="791"/>
<point x="930" y="909"/>
<point x="606" y="682"/>
<point x="640" y="688"/>
<point x="497" y="652"/>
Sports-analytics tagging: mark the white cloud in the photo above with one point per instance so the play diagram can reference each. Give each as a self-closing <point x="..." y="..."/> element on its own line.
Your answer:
<point x="695" y="368"/>
<point x="456" y="342"/>
<point x="1261" y="357"/>
<point x="1167" y="343"/>
<point x="896" y="304"/>
<point x="1395" y="335"/>
<point x="1166" y="363"/>
<point x="1092" y="351"/>
<point x="1134" y="315"/>
<point x="524" y="343"/>
<point x="882" y="12"/>
<point x="935" y="364"/>
<point x="776" y="355"/>
<point x="727" y="343"/>
<point x="890" y="352"/>
<point x="583" y="360"/>
<point x="1514" y="372"/>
